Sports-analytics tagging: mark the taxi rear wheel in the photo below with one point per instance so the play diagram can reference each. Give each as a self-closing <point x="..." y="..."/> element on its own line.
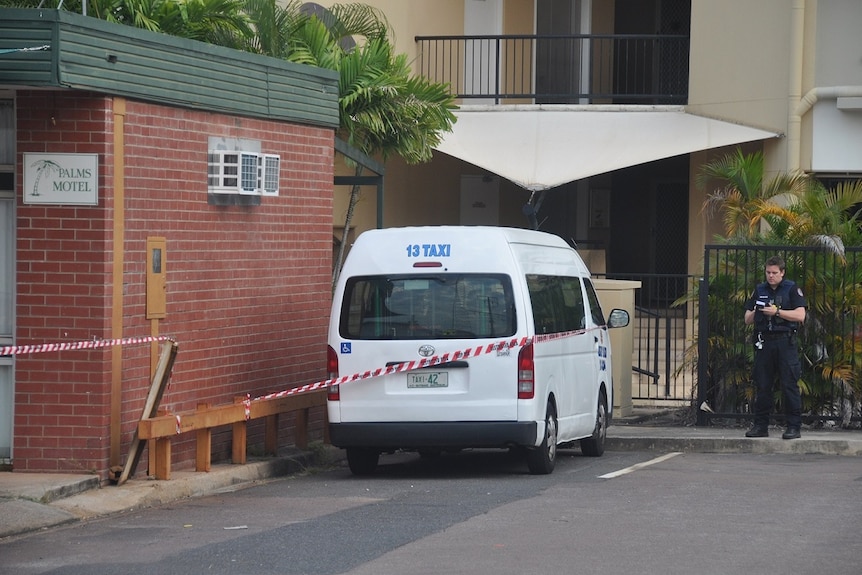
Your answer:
<point x="361" y="460"/>
<point x="541" y="459"/>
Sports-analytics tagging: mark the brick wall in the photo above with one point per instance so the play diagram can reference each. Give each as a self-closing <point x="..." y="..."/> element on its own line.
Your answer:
<point x="63" y="290"/>
<point x="247" y="286"/>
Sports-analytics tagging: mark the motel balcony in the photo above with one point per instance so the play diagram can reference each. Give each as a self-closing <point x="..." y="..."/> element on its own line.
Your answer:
<point x="559" y="69"/>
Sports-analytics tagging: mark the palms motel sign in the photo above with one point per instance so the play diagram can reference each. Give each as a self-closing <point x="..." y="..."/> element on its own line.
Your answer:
<point x="61" y="179"/>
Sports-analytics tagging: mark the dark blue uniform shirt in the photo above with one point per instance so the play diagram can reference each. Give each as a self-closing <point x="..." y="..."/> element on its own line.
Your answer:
<point x="787" y="295"/>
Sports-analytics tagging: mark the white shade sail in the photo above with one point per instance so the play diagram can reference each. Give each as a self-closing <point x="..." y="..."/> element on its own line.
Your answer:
<point x="543" y="146"/>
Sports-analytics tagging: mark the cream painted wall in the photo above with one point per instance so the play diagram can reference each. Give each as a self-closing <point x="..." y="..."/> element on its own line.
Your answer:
<point x="740" y="65"/>
<point x="411" y="18"/>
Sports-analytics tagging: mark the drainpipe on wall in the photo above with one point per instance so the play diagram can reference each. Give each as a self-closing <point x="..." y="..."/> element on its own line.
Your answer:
<point x="794" y="118"/>
<point x="826" y="93"/>
<point x="803" y="106"/>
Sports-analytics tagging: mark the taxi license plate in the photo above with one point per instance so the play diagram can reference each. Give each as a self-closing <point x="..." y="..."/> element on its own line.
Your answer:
<point x="427" y="379"/>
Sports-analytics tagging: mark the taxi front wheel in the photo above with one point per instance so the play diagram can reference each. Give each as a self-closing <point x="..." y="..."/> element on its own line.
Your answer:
<point x="594" y="445"/>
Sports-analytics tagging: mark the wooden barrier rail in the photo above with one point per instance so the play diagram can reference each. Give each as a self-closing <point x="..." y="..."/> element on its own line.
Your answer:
<point x="161" y="429"/>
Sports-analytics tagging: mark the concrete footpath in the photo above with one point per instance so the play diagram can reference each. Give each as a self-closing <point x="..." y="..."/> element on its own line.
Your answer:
<point x="33" y="501"/>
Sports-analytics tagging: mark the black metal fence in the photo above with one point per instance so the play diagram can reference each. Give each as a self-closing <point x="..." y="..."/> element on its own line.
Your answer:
<point x="830" y="340"/>
<point x="560" y="69"/>
<point x="663" y="330"/>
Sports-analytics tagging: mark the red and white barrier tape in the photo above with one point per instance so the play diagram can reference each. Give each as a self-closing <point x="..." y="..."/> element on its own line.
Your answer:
<point x="404" y="366"/>
<point x="419" y="364"/>
<point x="90" y="344"/>
<point x="388" y="370"/>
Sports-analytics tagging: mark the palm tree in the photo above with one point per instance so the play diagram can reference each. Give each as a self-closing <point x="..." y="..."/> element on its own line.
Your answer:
<point x="744" y="199"/>
<point x="384" y="110"/>
<point x="273" y="26"/>
<point x="826" y="218"/>
<point x="137" y="13"/>
<point x="222" y="22"/>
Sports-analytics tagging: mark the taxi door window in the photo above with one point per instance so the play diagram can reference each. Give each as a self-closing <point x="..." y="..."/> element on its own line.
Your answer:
<point x="595" y="306"/>
<point x="558" y="303"/>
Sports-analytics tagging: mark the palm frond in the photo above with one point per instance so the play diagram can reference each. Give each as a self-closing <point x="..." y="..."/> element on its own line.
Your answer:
<point x="359" y="20"/>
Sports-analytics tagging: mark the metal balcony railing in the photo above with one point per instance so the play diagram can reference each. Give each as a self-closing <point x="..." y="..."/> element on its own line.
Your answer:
<point x="559" y="69"/>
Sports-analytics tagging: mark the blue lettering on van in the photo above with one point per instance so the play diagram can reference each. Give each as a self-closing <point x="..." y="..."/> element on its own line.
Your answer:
<point x="345" y="347"/>
<point x="429" y="250"/>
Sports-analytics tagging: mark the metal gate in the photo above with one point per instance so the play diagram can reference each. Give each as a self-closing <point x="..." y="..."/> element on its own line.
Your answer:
<point x="830" y="340"/>
<point x="664" y="325"/>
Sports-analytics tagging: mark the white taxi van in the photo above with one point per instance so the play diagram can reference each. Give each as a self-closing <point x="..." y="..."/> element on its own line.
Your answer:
<point x="467" y="337"/>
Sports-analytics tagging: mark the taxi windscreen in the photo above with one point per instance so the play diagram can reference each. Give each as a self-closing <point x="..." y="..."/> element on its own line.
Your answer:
<point x="428" y="306"/>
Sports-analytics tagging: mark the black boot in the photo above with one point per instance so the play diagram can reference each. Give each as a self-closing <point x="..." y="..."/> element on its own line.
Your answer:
<point x="791" y="433"/>
<point x="757" y="431"/>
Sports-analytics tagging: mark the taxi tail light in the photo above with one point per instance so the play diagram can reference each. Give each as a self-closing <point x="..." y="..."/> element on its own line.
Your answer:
<point x="526" y="373"/>
<point x="334" y="393"/>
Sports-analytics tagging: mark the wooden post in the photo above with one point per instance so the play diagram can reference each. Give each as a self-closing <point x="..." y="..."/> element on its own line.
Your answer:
<point x="270" y="437"/>
<point x="240" y="437"/>
<point x="162" y="449"/>
<point x="300" y="428"/>
<point x="203" y="444"/>
<point x="160" y="455"/>
<point x="154" y="397"/>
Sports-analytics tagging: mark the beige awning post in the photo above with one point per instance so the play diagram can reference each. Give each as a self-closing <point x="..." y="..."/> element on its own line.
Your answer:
<point x="620" y="294"/>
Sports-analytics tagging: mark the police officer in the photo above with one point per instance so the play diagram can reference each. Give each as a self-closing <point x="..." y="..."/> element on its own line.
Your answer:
<point x="777" y="309"/>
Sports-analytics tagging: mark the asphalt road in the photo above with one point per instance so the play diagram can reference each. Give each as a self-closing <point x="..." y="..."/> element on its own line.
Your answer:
<point x="480" y="513"/>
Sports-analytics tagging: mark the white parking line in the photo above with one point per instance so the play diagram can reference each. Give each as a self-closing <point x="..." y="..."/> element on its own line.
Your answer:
<point x="637" y="466"/>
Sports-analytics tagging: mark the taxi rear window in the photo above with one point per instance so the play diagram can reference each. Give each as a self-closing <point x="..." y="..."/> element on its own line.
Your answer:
<point x="428" y="306"/>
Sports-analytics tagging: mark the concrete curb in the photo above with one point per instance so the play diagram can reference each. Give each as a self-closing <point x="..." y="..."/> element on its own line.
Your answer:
<point x="713" y="440"/>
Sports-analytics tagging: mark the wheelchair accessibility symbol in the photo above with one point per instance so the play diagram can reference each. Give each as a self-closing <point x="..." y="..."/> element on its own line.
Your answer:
<point x="345" y="347"/>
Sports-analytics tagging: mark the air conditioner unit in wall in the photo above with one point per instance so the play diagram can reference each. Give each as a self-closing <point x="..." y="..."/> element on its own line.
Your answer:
<point x="244" y="173"/>
<point x="271" y="172"/>
<point x="249" y="181"/>
<point x="223" y="171"/>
